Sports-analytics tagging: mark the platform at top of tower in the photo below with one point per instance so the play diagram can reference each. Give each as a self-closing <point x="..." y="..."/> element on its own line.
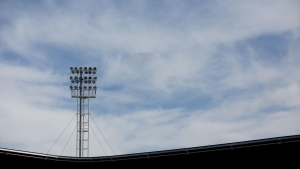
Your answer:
<point x="83" y="94"/>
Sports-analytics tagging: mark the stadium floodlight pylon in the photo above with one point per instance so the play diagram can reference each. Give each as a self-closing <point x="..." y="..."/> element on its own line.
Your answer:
<point x="83" y="87"/>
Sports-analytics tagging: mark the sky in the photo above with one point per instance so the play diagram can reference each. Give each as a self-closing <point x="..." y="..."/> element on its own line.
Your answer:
<point x="171" y="73"/>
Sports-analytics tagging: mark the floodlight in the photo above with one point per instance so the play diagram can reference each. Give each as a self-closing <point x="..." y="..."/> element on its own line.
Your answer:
<point x="72" y="70"/>
<point x="94" y="80"/>
<point x="79" y="91"/>
<point x="90" y="80"/>
<point x="76" y="70"/>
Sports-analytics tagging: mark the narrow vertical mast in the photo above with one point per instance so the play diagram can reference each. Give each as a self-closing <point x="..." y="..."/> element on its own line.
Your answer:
<point x="83" y="91"/>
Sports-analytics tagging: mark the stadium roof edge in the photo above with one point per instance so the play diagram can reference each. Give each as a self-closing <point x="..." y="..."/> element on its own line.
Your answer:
<point x="191" y="150"/>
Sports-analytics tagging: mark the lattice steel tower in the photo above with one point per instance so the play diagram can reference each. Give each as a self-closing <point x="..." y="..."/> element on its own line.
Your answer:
<point x="84" y="88"/>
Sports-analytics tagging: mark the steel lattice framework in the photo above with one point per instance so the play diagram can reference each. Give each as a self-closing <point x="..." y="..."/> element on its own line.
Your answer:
<point x="83" y="88"/>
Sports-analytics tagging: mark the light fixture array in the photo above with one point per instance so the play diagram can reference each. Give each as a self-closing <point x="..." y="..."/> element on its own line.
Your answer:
<point x="79" y="78"/>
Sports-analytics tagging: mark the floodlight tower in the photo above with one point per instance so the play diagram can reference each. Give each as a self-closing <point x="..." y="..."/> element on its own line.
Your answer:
<point x="84" y="88"/>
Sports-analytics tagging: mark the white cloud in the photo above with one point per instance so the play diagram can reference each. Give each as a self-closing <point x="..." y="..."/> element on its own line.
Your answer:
<point x="154" y="57"/>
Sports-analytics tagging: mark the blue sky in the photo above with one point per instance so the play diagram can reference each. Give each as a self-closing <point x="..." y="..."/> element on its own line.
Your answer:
<point x="171" y="74"/>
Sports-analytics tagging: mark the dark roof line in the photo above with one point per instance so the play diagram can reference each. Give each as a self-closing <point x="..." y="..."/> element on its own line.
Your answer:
<point x="202" y="149"/>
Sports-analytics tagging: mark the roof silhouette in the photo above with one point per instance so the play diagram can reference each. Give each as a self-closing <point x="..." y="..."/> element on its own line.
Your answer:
<point x="278" y="151"/>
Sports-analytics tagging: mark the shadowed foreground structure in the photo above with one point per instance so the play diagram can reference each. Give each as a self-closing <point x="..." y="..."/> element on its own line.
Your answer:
<point x="275" y="152"/>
